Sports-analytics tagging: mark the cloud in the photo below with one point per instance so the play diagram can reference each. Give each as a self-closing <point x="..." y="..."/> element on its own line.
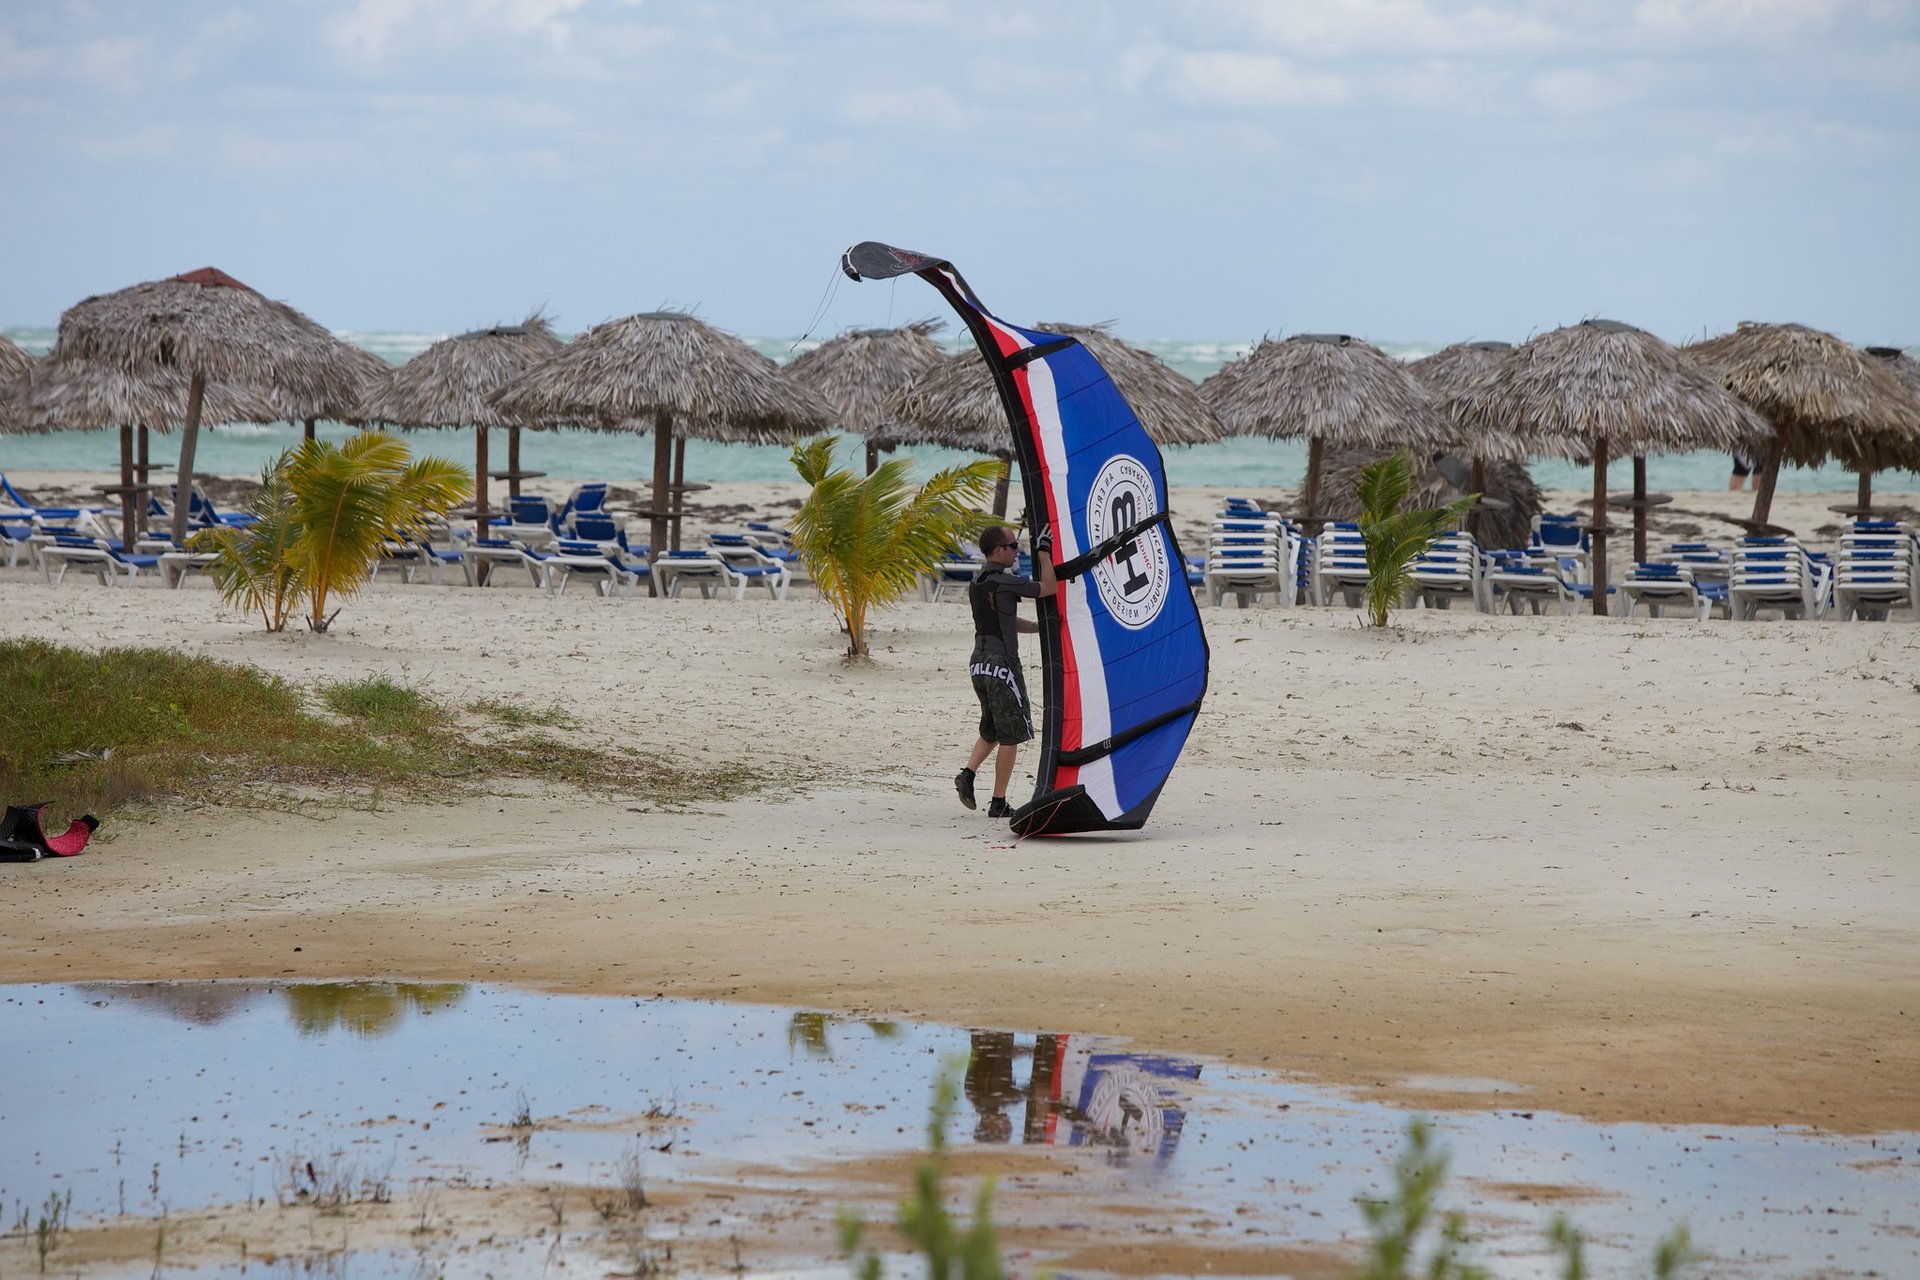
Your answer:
<point x="375" y="30"/>
<point x="1747" y="21"/>
<point x="931" y="106"/>
<point x="1581" y="90"/>
<point x="1250" y="80"/>
<point x="1390" y="28"/>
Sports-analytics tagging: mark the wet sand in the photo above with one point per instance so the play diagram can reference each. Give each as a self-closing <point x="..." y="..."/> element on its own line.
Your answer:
<point x="1647" y="869"/>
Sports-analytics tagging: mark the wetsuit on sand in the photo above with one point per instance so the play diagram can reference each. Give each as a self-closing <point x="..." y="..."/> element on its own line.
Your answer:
<point x="994" y="595"/>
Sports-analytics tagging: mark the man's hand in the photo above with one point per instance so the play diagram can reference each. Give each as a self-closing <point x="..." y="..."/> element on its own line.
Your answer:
<point x="1043" y="541"/>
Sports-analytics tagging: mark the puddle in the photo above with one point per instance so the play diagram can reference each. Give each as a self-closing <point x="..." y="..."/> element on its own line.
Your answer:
<point x="146" y="1100"/>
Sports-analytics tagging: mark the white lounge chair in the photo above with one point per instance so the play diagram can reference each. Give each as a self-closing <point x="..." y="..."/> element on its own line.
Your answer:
<point x="1661" y="587"/>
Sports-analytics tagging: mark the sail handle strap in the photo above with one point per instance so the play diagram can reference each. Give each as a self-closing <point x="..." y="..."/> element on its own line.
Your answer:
<point x="1086" y="560"/>
<point x="1107" y="746"/>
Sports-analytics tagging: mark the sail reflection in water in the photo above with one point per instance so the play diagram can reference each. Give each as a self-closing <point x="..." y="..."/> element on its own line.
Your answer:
<point x="1081" y="1091"/>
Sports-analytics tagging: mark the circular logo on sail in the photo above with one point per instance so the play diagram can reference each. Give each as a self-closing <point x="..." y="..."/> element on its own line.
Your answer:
<point x="1134" y="580"/>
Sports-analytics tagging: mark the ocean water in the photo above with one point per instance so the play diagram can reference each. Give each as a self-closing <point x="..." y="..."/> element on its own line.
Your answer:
<point x="1254" y="466"/>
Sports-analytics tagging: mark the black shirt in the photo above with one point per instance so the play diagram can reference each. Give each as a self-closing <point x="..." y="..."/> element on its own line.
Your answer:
<point x="995" y="594"/>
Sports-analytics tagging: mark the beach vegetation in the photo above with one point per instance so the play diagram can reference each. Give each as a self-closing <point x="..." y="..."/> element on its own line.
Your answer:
<point x="252" y="566"/>
<point x="867" y="539"/>
<point x="1409" y="1236"/>
<point x="385" y="704"/>
<point x="1394" y="534"/>
<point x="113" y="728"/>
<point x="324" y="514"/>
<point x="952" y="1248"/>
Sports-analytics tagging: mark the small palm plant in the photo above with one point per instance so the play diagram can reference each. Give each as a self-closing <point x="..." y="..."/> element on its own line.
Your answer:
<point x="349" y="499"/>
<point x="251" y="567"/>
<point x="1395" y="537"/>
<point x="322" y="515"/>
<point x="867" y="539"/>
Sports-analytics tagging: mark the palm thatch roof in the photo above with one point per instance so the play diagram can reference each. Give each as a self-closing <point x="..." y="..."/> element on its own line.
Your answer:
<point x="1508" y="481"/>
<point x="859" y="371"/>
<point x="953" y="404"/>
<point x="1452" y="369"/>
<point x="1568" y="390"/>
<point x="627" y="374"/>
<point x="1905" y="368"/>
<point x="956" y="404"/>
<point x="208" y="323"/>
<point x="451" y="382"/>
<point x="1327" y="387"/>
<point x="13" y="361"/>
<point x="81" y="395"/>
<point x="1825" y="398"/>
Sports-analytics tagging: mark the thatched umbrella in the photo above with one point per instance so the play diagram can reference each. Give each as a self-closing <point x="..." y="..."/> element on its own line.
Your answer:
<point x="1825" y="399"/>
<point x="861" y="369"/>
<point x="1512" y="497"/>
<point x="208" y="327"/>
<point x="13" y="361"/>
<point x="1601" y="387"/>
<point x="1329" y="389"/>
<point x="671" y="373"/>
<point x="449" y="385"/>
<point x="1443" y="373"/>
<point x="957" y="405"/>
<point x="76" y="394"/>
<point x="1907" y="370"/>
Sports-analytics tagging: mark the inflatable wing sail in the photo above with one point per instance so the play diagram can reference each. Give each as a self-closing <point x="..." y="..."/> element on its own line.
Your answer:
<point x="1124" y="661"/>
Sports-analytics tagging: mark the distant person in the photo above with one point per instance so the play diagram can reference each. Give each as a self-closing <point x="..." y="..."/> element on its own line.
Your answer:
<point x="1742" y="468"/>
<point x="1006" y="719"/>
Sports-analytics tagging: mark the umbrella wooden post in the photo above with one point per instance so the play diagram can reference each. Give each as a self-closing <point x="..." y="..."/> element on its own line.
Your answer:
<point x="1639" y="507"/>
<point x="1310" y="492"/>
<point x="128" y="531"/>
<point x="1000" y="489"/>
<point x="1763" y="492"/>
<point x="1865" y="500"/>
<point x="308" y="428"/>
<point x="1600" y="528"/>
<point x="480" y="482"/>
<point x="189" y="439"/>
<point x="1478" y="485"/>
<point x="141" y="468"/>
<point x="679" y="489"/>
<point x="513" y="462"/>
<point x="662" y="469"/>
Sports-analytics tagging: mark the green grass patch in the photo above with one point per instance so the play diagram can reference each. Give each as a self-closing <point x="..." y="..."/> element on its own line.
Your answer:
<point x="104" y="730"/>
<point x="385" y="706"/>
<point x="512" y="715"/>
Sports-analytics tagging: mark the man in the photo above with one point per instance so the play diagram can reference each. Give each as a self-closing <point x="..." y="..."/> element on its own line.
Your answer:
<point x="1006" y="719"/>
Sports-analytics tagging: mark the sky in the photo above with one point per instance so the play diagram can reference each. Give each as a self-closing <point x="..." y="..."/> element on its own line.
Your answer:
<point x="1401" y="170"/>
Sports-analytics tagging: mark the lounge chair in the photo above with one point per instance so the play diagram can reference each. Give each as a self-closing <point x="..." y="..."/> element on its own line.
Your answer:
<point x="1660" y="587"/>
<point x="97" y="555"/>
<point x="1449" y="568"/>
<point x="1519" y="580"/>
<point x="753" y="562"/>
<point x="1876" y="570"/>
<point x="1562" y="536"/>
<point x="959" y="568"/>
<point x="1776" y="573"/>
<point x="1250" y="558"/>
<point x="1340" y="564"/>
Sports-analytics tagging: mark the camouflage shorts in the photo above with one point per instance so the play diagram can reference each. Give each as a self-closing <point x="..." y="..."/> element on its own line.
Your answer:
<point x="1002" y="691"/>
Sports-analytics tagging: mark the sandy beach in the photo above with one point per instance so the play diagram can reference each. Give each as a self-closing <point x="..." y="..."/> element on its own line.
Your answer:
<point x="1654" y="870"/>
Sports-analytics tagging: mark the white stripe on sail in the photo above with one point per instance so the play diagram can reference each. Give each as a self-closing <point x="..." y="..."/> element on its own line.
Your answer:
<point x="1075" y="598"/>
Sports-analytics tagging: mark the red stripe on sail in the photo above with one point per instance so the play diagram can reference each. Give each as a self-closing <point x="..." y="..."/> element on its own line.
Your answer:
<point x="1071" y="721"/>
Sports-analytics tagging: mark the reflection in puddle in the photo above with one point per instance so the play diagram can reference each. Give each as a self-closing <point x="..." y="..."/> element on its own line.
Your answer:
<point x="155" y="1099"/>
